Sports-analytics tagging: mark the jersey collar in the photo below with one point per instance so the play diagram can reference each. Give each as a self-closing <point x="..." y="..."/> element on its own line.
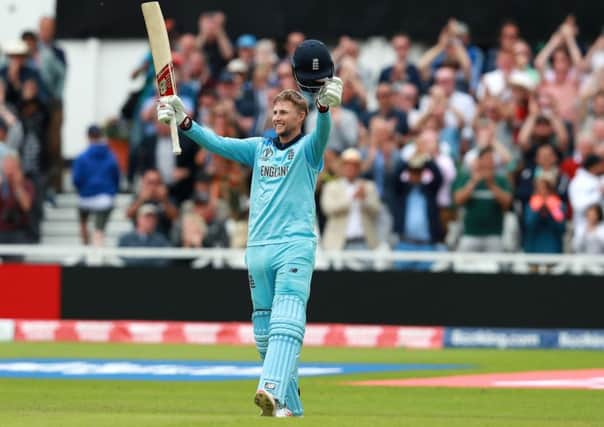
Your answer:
<point x="282" y="146"/>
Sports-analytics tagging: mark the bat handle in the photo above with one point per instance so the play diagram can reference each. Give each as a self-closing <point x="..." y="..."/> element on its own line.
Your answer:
<point x="175" y="141"/>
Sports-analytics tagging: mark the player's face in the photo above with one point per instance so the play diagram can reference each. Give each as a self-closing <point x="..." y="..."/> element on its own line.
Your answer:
<point x="287" y="119"/>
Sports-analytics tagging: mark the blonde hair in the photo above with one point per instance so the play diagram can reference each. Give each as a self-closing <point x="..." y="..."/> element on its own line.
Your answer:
<point x="294" y="97"/>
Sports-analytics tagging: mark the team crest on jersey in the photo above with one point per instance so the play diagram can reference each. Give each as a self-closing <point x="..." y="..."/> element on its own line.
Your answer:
<point x="315" y="64"/>
<point x="267" y="153"/>
<point x="290" y="154"/>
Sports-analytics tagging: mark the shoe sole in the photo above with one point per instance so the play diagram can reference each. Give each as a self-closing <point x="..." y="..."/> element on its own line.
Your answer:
<point x="265" y="402"/>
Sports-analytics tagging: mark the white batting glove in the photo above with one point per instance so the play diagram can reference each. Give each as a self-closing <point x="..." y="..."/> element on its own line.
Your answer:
<point x="330" y="95"/>
<point x="170" y="107"/>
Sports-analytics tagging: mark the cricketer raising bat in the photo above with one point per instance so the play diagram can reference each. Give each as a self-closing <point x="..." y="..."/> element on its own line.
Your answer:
<point x="162" y="59"/>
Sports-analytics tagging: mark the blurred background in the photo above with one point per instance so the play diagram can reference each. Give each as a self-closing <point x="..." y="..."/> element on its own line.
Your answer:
<point x="465" y="129"/>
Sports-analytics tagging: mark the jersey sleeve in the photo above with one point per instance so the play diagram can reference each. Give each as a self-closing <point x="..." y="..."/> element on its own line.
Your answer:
<point x="239" y="150"/>
<point x="317" y="141"/>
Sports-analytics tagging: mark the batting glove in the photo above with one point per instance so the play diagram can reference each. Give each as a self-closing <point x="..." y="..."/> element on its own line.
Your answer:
<point x="169" y="108"/>
<point x="330" y="95"/>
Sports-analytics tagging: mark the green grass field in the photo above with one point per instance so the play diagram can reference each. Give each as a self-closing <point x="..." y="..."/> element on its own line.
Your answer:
<point x="328" y="400"/>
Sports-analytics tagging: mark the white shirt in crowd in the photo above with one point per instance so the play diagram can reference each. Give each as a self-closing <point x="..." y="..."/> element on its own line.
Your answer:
<point x="589" y="241"/>
<point x="165" y="159"/>
<point x="584" y="190"/>
<point x="354" y="229"/>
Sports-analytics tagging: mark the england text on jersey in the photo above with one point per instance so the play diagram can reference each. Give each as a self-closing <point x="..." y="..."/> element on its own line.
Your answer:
<point x="273" y="171"/>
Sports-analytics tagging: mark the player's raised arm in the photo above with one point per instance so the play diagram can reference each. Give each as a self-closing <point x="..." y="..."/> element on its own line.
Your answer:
<point x="240" y="150"/>
<point x="330" y="95"/>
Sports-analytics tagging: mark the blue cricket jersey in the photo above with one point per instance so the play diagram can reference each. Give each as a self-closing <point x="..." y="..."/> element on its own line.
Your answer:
<point x="282" y="200"/>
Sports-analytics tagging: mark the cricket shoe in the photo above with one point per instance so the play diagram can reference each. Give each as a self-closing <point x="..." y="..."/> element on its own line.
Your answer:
<point x="270" y="406"/>
<point x="266" y="402"/>
<point x="283" y="412"/>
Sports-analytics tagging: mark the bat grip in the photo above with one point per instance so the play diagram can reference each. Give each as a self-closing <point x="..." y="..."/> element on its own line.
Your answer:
<point x="174" y="134"/>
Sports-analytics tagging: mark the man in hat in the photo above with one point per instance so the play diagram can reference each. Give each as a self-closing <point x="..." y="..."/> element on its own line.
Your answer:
<point x="17" y="72"/>
<point x="351" y="205"/>
<point x="145" y="235"/>
<point x="417" y="217"/>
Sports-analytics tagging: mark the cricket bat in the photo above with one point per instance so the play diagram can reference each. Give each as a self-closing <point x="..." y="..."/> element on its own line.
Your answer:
<point x="162" y="59"/>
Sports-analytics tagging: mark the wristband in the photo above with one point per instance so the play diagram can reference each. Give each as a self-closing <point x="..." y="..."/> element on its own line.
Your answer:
<point x="321" y="108"/>
<point x="186" y="123"/>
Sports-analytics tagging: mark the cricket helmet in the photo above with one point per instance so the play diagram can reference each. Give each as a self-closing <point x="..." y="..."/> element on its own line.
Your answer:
<point x="311" y="65"/>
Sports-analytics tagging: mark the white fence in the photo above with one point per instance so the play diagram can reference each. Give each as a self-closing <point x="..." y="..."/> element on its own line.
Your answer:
<point x="378" y="260"/>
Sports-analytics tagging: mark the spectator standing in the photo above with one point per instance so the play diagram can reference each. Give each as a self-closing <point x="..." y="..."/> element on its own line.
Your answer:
<point x="52" y="63"/>
<point x="406" y="97"/>
<point x="213" y="233"/>
<point x="449" y="51"/>
<point x="542" y="126"/>
<point x="351" y="205"/>
<point x="589" y="237"/>
<point x="546" y="162"/>
<point x="96" y="176"/>
<point x="213" y="40"/>
<point x="4" y="147"/>
<point x="495" y="83"/>
<point x="544" y="217"/>
<point x="586" y="188"/>
<point x="583" y="148"/>
<point x="13" y="128"/>
<point x="402" y="71"/>
<point x="387" y="111"/>
<point x="485" y="196"/>
<point x="154" y="191"/>
<point x="17" y="72"/>
<point x="417" y="217"/>
<point x="508" y="36"/>
<point x="145" y="235"/>
<point x="294" y="39"/>
<point x="16" y="201"/>
<point x="344" y="131"/>
<point x="427" y="144"/>
<point x="562" y="79"/>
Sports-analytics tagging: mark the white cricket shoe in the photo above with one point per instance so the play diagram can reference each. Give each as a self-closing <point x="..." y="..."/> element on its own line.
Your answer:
<point x="283" y="412"/>
<point x="265" y="401"/>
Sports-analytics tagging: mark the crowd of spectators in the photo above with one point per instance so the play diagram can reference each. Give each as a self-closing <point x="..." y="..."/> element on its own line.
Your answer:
<point x="32" y="77"/>
<point x="462" y="149"/>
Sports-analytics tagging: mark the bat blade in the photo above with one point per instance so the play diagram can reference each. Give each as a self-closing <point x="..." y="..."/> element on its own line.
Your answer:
<point x="162" y="58"/>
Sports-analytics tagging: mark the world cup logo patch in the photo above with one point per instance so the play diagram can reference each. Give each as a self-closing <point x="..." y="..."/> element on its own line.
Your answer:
<point x="267" y="153"/>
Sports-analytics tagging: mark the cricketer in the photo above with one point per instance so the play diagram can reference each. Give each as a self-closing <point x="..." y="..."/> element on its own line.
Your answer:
<point x="281" y="244"/>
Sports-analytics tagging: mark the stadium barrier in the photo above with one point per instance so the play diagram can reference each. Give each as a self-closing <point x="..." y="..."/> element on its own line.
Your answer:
<point x="381" y="259"/>
<point x="350" y="297"/>
<point x="317" y="335"/>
